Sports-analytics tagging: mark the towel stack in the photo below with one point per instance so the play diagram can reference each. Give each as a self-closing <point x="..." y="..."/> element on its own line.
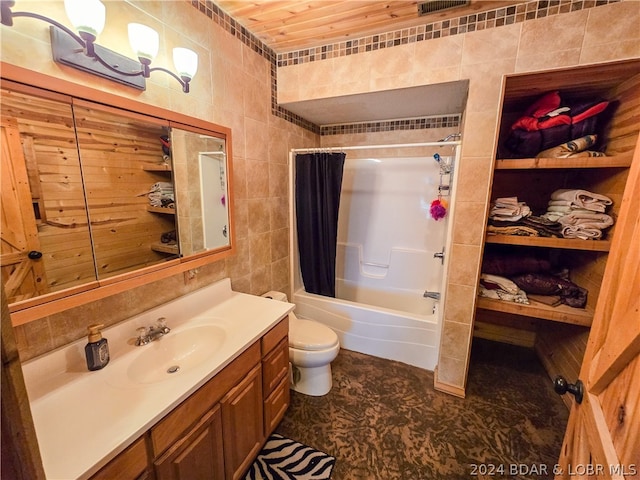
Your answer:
<point x="508" y="209"/>
<point x="161" y="195"/>
<point x="580" y="212"/>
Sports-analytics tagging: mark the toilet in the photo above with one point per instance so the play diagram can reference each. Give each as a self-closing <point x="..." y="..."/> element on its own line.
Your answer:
<point x="312" y="348"/>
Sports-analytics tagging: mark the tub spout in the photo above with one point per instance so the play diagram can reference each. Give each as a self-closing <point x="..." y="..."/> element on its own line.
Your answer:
<point x="434" y="295"/>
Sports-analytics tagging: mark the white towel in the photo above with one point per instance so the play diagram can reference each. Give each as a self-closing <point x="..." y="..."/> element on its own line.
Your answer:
<point x="507" y="290"/>
<point x="587" y="219"/>
<point x="571" y="231"/>
<point x="583" y="198"/>
<point x="508" y="209"/>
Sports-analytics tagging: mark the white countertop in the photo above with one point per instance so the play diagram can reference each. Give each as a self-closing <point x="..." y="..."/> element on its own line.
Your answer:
<point x="84" y="419"/>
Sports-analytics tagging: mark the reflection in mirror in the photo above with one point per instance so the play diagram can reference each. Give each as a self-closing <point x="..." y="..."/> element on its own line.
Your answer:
<point x="200" y="164"/>
<point x="129" y="189"/>
<point x="88" y="194"/>
<point x="45" y="238"/>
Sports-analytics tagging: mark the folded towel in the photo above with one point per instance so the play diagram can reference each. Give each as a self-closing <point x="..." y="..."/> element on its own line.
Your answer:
<point x="500" y="288"/>
<point x="587" y="219"/>
<point x="509" y="209"/>
<point x="560" y="203"/>
<point x="559" y="208"/>
<point x="583" y="199"/>
<point x="161" y="194"/>
<point x="582" y="233"/>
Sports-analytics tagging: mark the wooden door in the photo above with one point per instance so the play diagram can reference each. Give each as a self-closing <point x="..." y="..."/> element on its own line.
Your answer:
<point x="242" y="424"/>
<point x="199" y="454"/>
<point x="23" y="276"/>
<point x="603" y="433"/>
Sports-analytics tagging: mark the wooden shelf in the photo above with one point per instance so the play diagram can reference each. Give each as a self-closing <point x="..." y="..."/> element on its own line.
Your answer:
<point x="165" y="248"/>
<point x="549" y="242"/>
<point x="623" y="161"/>
<point x="168" y="211"/>
<point x="561" y="313"/>
<point x="157" y="168"/>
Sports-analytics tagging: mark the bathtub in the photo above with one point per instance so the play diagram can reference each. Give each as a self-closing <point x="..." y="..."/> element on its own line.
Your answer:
<point x="399" y="325"/>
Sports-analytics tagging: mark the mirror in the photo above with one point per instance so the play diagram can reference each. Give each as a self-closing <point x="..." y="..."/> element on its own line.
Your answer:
<point x="95" y="192"/>
<point x="45" y="239"/>
<point x="200" y="175"/>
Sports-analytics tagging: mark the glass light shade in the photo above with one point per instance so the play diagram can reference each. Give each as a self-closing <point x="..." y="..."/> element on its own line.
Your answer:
<point x="86" y="15"/>
<point x="144" y="40"/>
<point x="185" y="61"/>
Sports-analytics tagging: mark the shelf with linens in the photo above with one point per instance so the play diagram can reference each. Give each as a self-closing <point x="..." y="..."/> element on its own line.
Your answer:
<point x="609" y="92"/>
<point x="559" y="332"/>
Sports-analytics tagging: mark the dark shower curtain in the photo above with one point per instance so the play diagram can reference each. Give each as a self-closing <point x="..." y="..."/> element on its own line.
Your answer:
<point x="318" y="186"/>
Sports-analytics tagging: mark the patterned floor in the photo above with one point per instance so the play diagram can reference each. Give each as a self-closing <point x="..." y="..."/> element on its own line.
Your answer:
<point x="384" y="421"/>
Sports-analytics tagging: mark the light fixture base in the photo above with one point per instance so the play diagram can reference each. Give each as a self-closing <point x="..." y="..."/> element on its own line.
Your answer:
<point x="68" y="52"/>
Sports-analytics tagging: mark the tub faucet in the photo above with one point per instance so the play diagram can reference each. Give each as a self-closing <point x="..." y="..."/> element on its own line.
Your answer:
<point x="149" y="334"/>
<point x="440" y="255"/>
<point x="434" y="295"/>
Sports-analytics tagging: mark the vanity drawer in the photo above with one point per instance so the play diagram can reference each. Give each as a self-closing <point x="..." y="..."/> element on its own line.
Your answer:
<point x="171" y="427"/>
<point x="130" y="464"/>
<point x="275" y="335"/>
<point x="275" y="405"/>
<point x="275" y="366"/>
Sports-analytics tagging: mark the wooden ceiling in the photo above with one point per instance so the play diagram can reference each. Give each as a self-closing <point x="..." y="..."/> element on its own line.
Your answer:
<point x="287" y="26"/>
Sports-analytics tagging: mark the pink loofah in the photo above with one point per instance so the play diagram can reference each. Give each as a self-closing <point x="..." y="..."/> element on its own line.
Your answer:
<point x="438" y="209"/>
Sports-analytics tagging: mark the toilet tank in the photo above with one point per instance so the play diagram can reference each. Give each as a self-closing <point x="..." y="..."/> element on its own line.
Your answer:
<point x="281" y="297"/>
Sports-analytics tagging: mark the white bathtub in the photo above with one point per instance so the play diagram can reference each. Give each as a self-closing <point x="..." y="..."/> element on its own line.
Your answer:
<point x="409" y="335"/>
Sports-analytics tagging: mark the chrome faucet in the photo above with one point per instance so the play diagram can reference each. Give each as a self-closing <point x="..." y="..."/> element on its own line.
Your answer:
<point x="434" y="295"/>
<point x="149" y="334"/>
<point x="440" y="255"/>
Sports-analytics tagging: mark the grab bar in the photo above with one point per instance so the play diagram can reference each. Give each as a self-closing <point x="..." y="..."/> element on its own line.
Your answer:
<point x="371" y="264"/>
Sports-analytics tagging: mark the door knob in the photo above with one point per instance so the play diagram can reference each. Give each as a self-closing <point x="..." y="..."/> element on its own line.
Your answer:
<point x="34" y="255"/>
<point x="561" y="386"/>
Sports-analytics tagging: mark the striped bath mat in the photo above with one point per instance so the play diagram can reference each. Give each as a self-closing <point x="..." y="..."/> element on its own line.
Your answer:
<point x="285" y="459"/>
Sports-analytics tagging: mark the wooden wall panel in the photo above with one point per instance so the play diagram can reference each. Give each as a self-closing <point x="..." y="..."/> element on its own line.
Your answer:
<point x="114" y="151"/>
<point x="48" y="142"/>
<point x="624" y="128"/>
<point x="561" y="348"/>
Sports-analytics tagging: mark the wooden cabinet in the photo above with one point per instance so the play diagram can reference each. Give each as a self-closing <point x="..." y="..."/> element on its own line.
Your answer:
<point x="129" y="465"/>
<point x="533" y="180"/>
<point x="275" y="375"/>
<point x="242" y="421"/>
<point x="199" y="454"/>
<point x="218" y="431"/>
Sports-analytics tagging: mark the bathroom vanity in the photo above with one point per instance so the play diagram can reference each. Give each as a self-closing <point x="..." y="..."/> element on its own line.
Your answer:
<point x="140" y="417"/>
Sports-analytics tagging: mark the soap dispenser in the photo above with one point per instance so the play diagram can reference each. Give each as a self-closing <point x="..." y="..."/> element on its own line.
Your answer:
<point x="97" y="350"/>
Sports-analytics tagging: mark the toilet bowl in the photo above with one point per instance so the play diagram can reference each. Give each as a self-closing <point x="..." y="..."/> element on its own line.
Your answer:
<point x="312" y="348"/>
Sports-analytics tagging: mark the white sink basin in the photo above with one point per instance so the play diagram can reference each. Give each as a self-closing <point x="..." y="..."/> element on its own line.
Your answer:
<point x="175" y="353"/>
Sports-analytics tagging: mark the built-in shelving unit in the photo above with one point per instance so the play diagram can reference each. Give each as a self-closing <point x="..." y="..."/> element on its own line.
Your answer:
<point x="165" y="210"/>
<point x="623" y="161"/>
<point x="165" y="248"/>
<point x="161" y="167"/>
<point x="533" y="180"/>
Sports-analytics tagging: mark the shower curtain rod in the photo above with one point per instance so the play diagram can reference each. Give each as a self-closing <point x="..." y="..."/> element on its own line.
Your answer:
<point x="363" y="147"/>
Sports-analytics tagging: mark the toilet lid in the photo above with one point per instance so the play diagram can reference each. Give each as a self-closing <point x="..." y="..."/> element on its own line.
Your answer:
<point x="311" y="335"/>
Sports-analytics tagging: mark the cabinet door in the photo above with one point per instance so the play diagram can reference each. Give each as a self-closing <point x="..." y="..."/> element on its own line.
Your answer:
<point x="275" y="366"/>
<point x="242" y="424"/>
<point x="198" y="455"/>
<point x="130" y="464"/>
<point x="275" y="405"/>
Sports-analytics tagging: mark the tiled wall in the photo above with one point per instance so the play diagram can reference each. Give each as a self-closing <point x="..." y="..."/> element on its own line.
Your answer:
<point x="233" y="87"/>
<point x="545" y="35"/>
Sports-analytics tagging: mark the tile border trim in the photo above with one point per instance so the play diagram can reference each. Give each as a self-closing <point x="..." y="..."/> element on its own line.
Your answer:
<point x="505" y="15"/>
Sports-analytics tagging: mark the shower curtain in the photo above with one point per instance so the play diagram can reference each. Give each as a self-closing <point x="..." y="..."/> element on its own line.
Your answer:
<point x="318" y="185"/>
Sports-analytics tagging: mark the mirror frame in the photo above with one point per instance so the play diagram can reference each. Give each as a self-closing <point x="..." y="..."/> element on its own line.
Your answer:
<point x="28" y="81"/>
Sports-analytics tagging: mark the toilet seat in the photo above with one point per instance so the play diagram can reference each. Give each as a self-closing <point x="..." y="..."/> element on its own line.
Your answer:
<point x="310" y="335"/>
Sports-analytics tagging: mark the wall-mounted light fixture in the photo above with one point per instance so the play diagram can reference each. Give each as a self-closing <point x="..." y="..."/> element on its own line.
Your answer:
<point x="80" y="50"/>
